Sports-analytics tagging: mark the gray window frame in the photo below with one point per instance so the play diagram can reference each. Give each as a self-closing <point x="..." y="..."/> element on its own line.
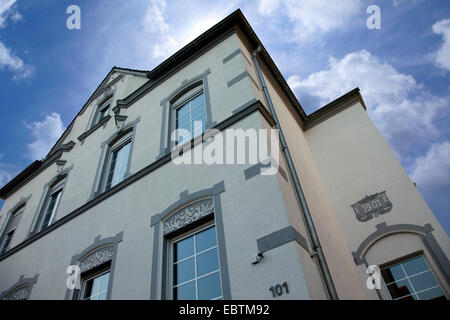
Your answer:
<point x="58" y="182"/>
<point x="16" y="212"/>
<point x="97" y="246"/>
<point x="160" y="286"/>
<point x="178" y="104"/>
<point x="105" y="103"/>
<point x="185" y="235"/>
<point x="172" y="101"/>
<point x="116" y="148"/>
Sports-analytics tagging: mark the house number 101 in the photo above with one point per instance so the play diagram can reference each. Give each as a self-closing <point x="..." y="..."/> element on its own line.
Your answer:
<point x="279" y="289"/>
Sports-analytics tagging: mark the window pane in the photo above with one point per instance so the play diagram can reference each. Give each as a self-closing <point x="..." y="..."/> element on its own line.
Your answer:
<point x="392" y="274"/>
<point x="6" y="242"/>
<point x="400" y="289"/>
<point x="50" y="209"/>
<point x="199" y="125"/>
<point x="183" y="110"/>
<point x="184" y="249"/>
<point x="423" y="281"/>
<point x="415" y="266"/>
<point x="207" y="262"/>
<point x="209" y="287"/>
<point x="119" y="165"/>
<point x="184" y="271"/>
<point x="183" y="118"/>
<point x="432" y="294"/>
<point x="198" y="110"/>
<point x="198" y="100"/>
<point x="105" y="281"/>
<point x="206" y="239"/>
<point x="88" y="289"/>
<point x="95" y="286"/>
<point x="102" y="296"/>
<point x="185" y="292"/>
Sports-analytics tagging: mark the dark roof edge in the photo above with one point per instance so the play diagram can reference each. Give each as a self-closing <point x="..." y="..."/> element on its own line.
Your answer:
<point x="333" y="108"/>
<point x="17" y="179"/>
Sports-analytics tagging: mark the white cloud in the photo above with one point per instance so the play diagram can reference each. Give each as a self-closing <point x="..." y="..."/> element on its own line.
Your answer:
<point x="308" y="18"/>
<point x="442" y="57"/>
<point x="9" y="60"/>
<point x="433" y="169"/>
<point x="7" y="171"/>
<point x="402" y="109"/>
<point x="44" y="134"/>
<point x="155" y="23"/>
<point x="7" y="10"/>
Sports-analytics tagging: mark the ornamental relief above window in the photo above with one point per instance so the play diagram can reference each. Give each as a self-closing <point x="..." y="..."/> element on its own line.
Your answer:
<point x="188" y="214"/>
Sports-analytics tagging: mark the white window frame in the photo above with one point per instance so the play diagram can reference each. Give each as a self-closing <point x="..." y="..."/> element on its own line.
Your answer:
<point x="93" y="276"/>
<point x="116" y="148"/>
<point x="57" y="189"/>
<point x="171" y="263"/>
<point x="407" y="277"/>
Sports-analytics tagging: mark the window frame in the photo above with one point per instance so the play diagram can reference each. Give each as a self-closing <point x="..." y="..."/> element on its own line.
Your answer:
<point x="102" y="106"/>
<point x="172" y="100"/>
<point x="58" y="189"/>
<point x="178" y="104"/>
<point x="57" y="184"/>
<point x="93" y="274"/>
<point x="400" y="262"/>
<point x="119" y="138"/>
<point x="187" y="234"/>
<point x="115" y="149"/>
<point x="6" y="241"/>
<point x="15" y="213"/>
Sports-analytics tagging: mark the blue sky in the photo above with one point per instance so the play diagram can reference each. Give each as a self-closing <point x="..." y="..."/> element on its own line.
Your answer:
<point x="323" y="48"/>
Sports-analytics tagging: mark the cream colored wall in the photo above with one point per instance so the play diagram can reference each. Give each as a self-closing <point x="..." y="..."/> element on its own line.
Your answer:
<point x="337" y="253"/>
<point x="354" y="161"/>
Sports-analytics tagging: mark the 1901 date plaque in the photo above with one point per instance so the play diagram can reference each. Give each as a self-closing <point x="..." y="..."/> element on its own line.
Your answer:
<point x="372" y="206"/>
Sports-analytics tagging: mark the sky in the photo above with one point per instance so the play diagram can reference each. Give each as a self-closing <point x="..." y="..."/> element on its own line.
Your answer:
<point x="323" y="48"/>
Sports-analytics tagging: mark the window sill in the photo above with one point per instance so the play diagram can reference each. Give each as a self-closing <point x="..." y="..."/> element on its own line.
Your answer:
<point x="103" y="123"/>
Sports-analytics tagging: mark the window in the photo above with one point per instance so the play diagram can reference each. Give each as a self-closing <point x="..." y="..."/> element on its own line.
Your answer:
<point x="10" y="228"/>
<point x="102" y="112"/>
<point x="96" y="287"/>
<point x="195" y="264"/>
<point x="118" y="165"/>
<point x="6" y="241"/>
<point x="191" y="116"/>
<point x="50" y="212"/>
<point x="49" y="208"/>
<point x="412" y="280"/>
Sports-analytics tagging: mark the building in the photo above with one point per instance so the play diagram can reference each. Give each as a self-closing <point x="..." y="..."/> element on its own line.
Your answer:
<point x="109" y="205"/>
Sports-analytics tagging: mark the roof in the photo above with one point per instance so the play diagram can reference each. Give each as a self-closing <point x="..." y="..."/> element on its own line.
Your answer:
<point x="235" y="20"/>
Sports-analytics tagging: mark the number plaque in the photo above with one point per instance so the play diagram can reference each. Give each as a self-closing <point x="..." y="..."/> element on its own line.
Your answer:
<point x="372" y="206"/>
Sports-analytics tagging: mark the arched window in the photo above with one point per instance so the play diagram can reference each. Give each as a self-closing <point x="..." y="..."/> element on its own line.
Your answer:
<point x="51" y="202"/>
<point x="190" y="113"/>
<point x="10" y="228"/>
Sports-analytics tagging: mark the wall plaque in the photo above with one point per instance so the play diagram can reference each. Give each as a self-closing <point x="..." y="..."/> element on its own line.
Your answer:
<point x="372" y="206"/>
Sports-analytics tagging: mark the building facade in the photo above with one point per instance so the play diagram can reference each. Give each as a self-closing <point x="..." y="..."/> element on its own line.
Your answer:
<point x="109" y="214"/>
